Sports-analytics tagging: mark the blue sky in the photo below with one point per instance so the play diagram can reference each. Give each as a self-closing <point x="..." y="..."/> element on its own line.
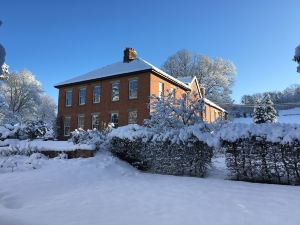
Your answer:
<point x="57" y="40"/>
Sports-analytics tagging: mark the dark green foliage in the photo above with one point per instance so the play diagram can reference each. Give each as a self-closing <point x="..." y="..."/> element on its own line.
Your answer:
<point x="165" y="157"/>
<point x="257" y="160"/>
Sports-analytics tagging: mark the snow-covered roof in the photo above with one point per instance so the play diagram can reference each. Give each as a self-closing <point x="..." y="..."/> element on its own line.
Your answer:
<point x="186" y="80"/>
<point x="120" y="68"/>
<point x="207" y="101"/>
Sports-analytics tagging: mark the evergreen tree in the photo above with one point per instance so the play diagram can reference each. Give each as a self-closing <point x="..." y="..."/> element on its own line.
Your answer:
<point x="270" y="111"/>
<point x="264" y="111"/>
<point x="259" y="111"/>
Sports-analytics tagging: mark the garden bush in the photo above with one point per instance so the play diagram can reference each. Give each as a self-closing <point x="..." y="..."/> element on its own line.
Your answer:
<point x="187" y="151"/>
<point x="268" y="153"/>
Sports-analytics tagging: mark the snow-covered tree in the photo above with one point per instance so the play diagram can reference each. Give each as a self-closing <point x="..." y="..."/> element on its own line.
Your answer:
<point x="270" y="111"/>
<point x="259" y="112"/>
<point x="216" y="75"/>
<point x="264" y="111"/>
<point x="171" y="113"/>
<point x="2" y="53"/>
<point x="46" y="110"/>
<point x="297" y="57"/>
<point x="21" y="97"/>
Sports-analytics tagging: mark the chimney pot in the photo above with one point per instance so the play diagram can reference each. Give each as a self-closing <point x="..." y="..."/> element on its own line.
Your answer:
<point x="129" y="55"/>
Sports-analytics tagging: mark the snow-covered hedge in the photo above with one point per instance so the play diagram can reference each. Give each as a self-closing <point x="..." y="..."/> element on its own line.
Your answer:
<point x="267" y="153"/>
<point x="186" y="151"/>
<point x="30" y="130"/>
<point x="272" y="132"/>
<point x="20" y="162"/>
<point x="90" y="137"/>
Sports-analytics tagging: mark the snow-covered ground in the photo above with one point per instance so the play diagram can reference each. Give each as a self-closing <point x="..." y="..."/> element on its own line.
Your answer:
<point x="284" y="116"/>
<point x="105" y="190"/>
<point x="40" y="145"/>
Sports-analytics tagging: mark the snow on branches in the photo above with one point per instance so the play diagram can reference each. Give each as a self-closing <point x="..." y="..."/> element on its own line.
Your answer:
<point x="22" y="99"/>
<point x="264" y="111"/>
<point x="169" y="112"/>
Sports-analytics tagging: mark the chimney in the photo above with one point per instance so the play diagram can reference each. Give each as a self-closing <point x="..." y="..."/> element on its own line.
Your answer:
<point x="129" y="55"/>
<point x="202" y="91"/>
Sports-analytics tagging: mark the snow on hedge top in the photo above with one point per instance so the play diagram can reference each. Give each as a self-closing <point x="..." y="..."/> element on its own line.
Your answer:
<point x="273" y="132"/>
<point x="117" y="69"/>
<point x="40" y="145"/>
<point x="185" y="134"/>
<point x="131" y="132"/>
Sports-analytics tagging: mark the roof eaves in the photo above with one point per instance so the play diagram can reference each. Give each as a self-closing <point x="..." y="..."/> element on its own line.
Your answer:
<point x="209" y="102"/>
<point x="101" y="78"/>
<point x="169" y="77"/>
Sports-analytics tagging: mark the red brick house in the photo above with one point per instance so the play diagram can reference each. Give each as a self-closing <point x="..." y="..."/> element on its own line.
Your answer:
<point x="119" y="93"/>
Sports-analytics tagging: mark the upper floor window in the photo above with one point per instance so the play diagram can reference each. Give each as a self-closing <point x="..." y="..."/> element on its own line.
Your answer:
<point x="68" y="97"/>
<point x="132" y="116"/>
<point x="115" y="91"/>
<point x="67" y="126"/>
<point x="114" y="118"/>
<point x="82" y="95"/>
<point x="80" y="122"/>
<point x="95" y="121"/>
<point x="96" y="94"/>
<point x="161" y="89"/>
<point x="172" y="92"/>
<point x="133" y="89"/>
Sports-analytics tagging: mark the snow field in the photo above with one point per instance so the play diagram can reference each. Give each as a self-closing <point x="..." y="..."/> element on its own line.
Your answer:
<point x="105" y="190"/>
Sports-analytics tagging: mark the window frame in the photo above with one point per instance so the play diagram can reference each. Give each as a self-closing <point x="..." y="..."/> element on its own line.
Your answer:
<point x="129" y="88"/>
<point x="96" y="86"/>
<point x="173" y="92"/>
<point x="80" y="116"/>
<point x="66" y="97"/>
<point x="92" y="120"/>
<point x="79" y="96"/>
<point x="65" y="118"/>
<point x="136" y="119"/>
<point x="161" y="90"/>
<point x="112" y="97"/>
<point x="111" y="116"/>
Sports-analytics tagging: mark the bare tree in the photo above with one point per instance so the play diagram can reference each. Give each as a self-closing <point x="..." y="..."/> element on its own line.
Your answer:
<point x="216" y="75"/>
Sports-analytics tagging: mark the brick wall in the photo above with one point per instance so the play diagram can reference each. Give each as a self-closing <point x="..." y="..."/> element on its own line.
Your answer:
<point x="154" y="86"/>
<point x="148" y="84"/>
<point x="106" y="105"/>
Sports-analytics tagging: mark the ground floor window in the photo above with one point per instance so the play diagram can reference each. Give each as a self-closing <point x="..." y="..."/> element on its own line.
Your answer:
<point x="80" y="122"/>
<point x="114" y="118"/>
<point x="95" y="121"/>
<point x="132" y="116"/>
<point x="67" y="126"/>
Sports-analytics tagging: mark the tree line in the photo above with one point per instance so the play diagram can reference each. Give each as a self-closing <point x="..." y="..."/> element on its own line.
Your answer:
<point x="290" y="94"/>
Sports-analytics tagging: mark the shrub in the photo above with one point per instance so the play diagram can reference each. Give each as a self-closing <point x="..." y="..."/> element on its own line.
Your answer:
<point x="91" y="137"/>
<point x="168" y="112"/>
<point x="30" y="130"/>
<point x="268" y="153"/>
<point x="187" y="151"/>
